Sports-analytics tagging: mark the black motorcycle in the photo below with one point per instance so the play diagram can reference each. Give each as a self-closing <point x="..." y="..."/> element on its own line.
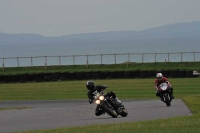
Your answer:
<point x="108" y="105"/>
<point x="166" y="96"/>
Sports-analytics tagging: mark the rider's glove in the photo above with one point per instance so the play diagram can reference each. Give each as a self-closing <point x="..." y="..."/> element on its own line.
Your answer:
<point x="156" y="88"/>
<point x="167" y="82"/>
<point x="90" y="101"/>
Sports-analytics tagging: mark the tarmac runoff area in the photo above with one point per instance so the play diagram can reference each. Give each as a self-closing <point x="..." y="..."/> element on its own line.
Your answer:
<point x="57" y="114"/>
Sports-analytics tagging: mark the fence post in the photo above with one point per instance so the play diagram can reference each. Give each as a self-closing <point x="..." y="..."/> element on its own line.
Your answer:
<point x="31" y="61"/>
<point x="142" y="57"/>
<point x="59" y="60"/>
<point x="18" y="61"/>
<point x="181" y="57"/>
<point x="194" y="57"/>
<point x="128" y="57"/>
<point x="3" y="64"/>
<point x="168" y="57"/>
<point x="74" y="59"/>
<point x="3" y="67"/>
<point x="87" y="61"/>
<point x="155" y="57"/>
<point x="115" y="58"/>
<point x="45" y="64"/>
<point x="101" y="59"/>
<point x="127" y="62"/>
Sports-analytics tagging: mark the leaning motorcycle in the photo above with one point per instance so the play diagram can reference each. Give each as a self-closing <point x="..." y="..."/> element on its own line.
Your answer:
<point x="108" y="105"/>
<point x="165" y="92"/>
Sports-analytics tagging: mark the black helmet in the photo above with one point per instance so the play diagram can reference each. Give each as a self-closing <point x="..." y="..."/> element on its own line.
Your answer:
<point x="90" y="85"/>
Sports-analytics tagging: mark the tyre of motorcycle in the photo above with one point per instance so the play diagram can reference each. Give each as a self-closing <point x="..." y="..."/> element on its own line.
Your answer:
<point x="120" y="110"/>
<point x="110" y="110"/>
<point x="124" y="112"/>
<point x="167" y="99"/>
<point x="99" y="111"/>
<point x="113" y="104"/>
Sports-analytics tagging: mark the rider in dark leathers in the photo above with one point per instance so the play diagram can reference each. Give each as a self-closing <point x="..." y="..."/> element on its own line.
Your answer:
<point x="92" y="88"/>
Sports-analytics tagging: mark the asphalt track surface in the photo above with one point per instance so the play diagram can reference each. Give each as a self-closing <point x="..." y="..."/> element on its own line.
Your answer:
<point x="56" y="114"/>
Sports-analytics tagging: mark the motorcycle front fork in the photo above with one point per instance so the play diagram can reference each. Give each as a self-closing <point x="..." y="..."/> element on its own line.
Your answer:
<point x="163" y="98"/>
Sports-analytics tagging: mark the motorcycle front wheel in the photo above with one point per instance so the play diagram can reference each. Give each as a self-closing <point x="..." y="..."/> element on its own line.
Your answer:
<point x="167" y="101"/>
<point x="110" y="111"/>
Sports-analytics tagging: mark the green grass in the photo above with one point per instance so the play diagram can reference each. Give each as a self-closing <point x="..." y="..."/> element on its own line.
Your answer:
<point x="173" y="125"/>
<point x="124" y="88"/>
<point x="112" y="67"/>
<point x="185" y="88"/>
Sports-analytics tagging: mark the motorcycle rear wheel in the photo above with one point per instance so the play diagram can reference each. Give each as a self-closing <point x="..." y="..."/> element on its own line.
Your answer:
<point x="124" y="113"/>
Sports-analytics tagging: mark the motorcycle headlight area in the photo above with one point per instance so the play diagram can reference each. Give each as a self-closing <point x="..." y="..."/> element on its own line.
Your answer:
<point x="101" y="98"/>
<point x="98" y="101"/>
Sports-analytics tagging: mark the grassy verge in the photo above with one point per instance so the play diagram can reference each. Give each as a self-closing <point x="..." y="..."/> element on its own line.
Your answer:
<point x="124" y="88"/>
<point x="112" y="67"/>
<point x="173" y="125"/>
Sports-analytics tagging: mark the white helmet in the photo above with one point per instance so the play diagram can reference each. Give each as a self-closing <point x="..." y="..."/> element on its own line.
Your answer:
<point x="159" y="76"/>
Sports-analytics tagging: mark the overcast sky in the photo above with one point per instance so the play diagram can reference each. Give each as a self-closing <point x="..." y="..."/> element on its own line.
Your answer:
<point x="64" y="17"/>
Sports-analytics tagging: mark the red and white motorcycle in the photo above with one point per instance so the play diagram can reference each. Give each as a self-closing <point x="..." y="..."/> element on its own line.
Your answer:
<point x="165" y="93"/>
